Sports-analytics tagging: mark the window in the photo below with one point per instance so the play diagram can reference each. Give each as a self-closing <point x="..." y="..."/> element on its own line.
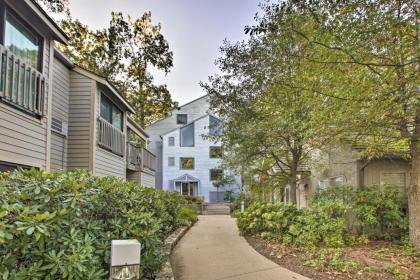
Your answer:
<point x="187" y="163"/>
<point x="216" y="174"/>
<point x="111" y="113"/>
<point x="22" y="41"/>
<point x="181" y="119"/>
<point x="215" y="152"/>
<point x="215" y="126"/>
<point x="171" y="161"/>
<point x="171" y="141"/>
<point x="187" y="136"/>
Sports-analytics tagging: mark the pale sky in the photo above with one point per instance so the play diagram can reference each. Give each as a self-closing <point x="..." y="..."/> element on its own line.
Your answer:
<point x="195" y="29"/>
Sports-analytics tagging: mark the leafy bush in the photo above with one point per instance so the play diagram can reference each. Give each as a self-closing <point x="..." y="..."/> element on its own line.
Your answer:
<point x="291" y="225"/>
<point x="60" y="225"/>
<point x="188" y="215"/>
<point x="326" y="221"/>
<point x="371" y="207"/>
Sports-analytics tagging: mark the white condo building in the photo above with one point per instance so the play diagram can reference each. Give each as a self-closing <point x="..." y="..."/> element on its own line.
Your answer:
<point x="187" y="161"/>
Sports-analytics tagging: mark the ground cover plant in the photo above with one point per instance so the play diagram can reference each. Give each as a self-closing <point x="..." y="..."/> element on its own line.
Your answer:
<point x="60" y="225"/>
<point x="343" y="230"/>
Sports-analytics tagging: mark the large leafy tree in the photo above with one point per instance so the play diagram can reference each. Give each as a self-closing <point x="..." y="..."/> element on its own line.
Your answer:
<point x="367" y="54"/>
<point x="269" y="115"/>
<point x="124" y="52"/>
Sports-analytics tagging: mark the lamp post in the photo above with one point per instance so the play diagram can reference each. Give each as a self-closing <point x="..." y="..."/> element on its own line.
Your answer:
<point x="242" y="206"/>
<point x="125" y="260"/>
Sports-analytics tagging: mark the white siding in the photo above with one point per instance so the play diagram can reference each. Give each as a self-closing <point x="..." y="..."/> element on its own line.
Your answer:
<point x="109" y="164"/>
<point x="60" y="111"/>
<point x="79" y="121"/>
<point x="194" y="110"/>
<point x="202" y="161"/>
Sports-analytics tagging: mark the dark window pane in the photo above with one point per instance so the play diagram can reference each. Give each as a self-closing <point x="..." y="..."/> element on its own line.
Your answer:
<point x="215" y="126"/>
<point x="187" y="136"/>
<point x="111" y="113"/>
<point x="22" y="42"/>
<point x="116" y="118"/>
<point x="216" y="174"/>
<point x="181" y="119"/>
<point x="215" y="152"/>
<point x="187" y="163"/>
<point x="106" y="109"/>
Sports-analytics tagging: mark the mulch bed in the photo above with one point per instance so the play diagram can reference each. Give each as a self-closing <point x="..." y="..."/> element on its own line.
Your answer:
<point x="372" y="258"/>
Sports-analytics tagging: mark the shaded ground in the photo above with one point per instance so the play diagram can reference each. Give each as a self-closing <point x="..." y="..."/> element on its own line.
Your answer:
<point x="376" y="261"/>
<point x="213" y="250"/>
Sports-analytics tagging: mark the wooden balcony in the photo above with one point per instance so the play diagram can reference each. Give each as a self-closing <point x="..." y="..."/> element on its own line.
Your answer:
<point x="110" y="137"/>
<point x="149" y="160"/>
<point x="139" y="158"/>
<point x="134" y="156"/>
<point x="21" y="84"/>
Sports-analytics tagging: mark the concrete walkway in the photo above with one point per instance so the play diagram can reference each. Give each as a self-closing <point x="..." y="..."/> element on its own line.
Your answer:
<point x="213" y="250"/>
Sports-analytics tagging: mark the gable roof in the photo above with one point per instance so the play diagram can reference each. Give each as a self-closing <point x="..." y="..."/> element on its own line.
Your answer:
<point x="179" y="107"/>
<point x="186" y="178"/>
<point x="59" y="34"/>
<point x="104" y="81"/>
<point x="193" y="121"/>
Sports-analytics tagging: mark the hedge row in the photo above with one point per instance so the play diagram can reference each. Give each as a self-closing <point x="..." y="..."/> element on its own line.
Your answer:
<point x="336" y="217"/>
<point x="60" y="225"/>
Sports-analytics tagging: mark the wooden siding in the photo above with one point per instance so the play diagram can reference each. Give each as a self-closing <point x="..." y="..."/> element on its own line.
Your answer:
<point x="109" y="164"/>
<point x="60" y="111"/>
<point x="147" y="180"/>
<point x="79" y="121"/>
<point x="23" y="138"/>
<point x="58" y="152"/>
<point x="376" y="168"/>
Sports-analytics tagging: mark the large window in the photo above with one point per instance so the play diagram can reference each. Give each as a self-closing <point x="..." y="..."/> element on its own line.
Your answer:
<point x="215" y="126"/>
<point x="215" y="152"/>
<point x="111" y="113"/>
<point x="181" y="119"/>
<point x="22" y="41"/>
<point x="216" y="174"/>
<point x="187" y="136"/>
<point x="187" y="163"/>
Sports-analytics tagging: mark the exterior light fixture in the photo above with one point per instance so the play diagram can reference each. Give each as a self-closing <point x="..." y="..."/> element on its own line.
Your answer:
<point x="125" y="260"/>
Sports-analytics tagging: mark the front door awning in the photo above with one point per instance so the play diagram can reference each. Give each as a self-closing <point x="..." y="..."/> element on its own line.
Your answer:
<point x="186" y="178"/>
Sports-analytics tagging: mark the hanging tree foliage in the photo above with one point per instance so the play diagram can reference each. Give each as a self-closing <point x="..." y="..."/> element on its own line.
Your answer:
<point x="124" y="52"/>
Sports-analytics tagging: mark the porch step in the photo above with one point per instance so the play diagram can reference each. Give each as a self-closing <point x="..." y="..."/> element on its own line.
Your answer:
<point x="216" y="209"/>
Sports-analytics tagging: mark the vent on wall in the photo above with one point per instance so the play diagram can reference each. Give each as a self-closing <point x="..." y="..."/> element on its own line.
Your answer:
<point x="59" y="126"/>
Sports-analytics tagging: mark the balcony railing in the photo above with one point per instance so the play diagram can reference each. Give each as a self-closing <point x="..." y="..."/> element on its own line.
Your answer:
<point x="20" y="83"/>
<point x="110" y="137"/>
<point x="134" y="156"/>
<point x="149" y="160"/>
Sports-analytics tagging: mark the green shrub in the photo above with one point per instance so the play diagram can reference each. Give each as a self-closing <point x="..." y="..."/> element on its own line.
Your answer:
<point x="60" y="225"/>
<point x="285" y="222"/>
<point x="188" y="215"/>
<point x="374" y="210"/>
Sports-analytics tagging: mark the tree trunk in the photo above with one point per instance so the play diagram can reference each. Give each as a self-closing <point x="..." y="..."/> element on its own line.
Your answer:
<point x="414" y="191"/>
<point x="292" y="183"/>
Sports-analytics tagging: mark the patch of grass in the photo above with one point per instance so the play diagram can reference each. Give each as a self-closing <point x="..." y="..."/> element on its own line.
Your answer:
<point x="396" y="271"/>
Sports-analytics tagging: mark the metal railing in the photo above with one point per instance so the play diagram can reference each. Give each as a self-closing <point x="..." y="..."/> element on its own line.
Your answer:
<point x="110" y="137"/>
<point x="20" y="83"/>
<point x="134" y="156"/>
<point x="149" y="160"/>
